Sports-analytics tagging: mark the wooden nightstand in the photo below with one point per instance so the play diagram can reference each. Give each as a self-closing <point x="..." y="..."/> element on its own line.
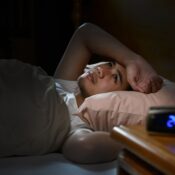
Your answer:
<point x="143" y="153"/>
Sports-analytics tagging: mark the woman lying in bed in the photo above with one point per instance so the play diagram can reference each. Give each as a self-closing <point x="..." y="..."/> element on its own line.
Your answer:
<point x="34" y="119"/>
<point x="127" y="69"/>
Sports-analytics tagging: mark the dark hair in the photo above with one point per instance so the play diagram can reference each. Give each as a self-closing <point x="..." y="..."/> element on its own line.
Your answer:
<point x="129" y="88"/>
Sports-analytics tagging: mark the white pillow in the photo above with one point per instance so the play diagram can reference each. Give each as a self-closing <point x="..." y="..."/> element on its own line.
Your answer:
<point x="104" y="111"/>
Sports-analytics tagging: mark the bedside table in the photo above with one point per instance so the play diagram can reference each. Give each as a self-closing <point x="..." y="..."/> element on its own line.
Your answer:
<point x="144" y="153"/>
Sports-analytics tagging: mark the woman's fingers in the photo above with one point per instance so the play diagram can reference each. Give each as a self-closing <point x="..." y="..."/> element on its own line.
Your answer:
<point x="147" y="85"/>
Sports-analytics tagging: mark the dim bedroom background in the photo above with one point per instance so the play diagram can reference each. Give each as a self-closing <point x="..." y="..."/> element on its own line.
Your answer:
<point x="37" y="33"/>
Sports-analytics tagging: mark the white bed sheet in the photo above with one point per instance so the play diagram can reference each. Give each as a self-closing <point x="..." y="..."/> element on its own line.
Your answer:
<point x="54" y="164"/>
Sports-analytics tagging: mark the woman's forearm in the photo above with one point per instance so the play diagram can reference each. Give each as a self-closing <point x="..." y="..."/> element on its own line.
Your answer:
<point x="103" y="43"/>
<point x="91" y="147"/>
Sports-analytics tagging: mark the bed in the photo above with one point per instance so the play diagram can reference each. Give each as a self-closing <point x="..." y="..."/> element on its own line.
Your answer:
<point x="53" y="163"/>
<point x="18" y="137"/>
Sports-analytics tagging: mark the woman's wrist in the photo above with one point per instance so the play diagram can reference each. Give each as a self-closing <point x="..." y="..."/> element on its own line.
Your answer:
<point x="137" y="58"/>
<point x="132" y="59"/>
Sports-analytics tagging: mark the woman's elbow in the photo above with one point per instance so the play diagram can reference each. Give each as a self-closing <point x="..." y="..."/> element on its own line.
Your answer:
<point x="78" y="151"/>
<point x="82" y="150"/>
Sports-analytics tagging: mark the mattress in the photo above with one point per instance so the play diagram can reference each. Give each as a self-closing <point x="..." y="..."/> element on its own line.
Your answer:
<point x="52" y="164"/>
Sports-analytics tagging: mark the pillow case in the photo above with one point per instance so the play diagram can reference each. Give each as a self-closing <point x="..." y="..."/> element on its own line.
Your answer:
<point x="104" y="111"/>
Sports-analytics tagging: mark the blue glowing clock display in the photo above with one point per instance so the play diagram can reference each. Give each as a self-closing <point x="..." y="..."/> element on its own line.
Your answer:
<point x="161" y="120"/>
<point x="170" y="123"/>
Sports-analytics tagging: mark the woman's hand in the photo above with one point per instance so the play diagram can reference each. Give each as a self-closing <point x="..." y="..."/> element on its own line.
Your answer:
<point x="142" y="77"/>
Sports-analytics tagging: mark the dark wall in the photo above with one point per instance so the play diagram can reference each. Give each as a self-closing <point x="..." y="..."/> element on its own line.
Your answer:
<point x="53" y="31"/>
<point x="36" y="32"/>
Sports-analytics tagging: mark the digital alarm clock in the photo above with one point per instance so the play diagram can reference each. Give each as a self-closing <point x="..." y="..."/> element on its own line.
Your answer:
<point x="161" y="120"/>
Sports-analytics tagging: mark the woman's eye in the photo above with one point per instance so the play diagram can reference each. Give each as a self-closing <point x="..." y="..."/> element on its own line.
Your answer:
<point x="115" y="77"/>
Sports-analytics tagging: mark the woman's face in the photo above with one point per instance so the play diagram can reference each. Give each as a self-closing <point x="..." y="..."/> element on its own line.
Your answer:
<point x="105" y="77"/>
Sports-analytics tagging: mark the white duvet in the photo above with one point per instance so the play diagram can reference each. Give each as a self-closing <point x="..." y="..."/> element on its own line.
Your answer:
<point x="33" y="118"/>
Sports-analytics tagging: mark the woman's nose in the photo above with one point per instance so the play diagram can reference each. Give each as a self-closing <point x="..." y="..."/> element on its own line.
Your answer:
<point x="100" y="72"/>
